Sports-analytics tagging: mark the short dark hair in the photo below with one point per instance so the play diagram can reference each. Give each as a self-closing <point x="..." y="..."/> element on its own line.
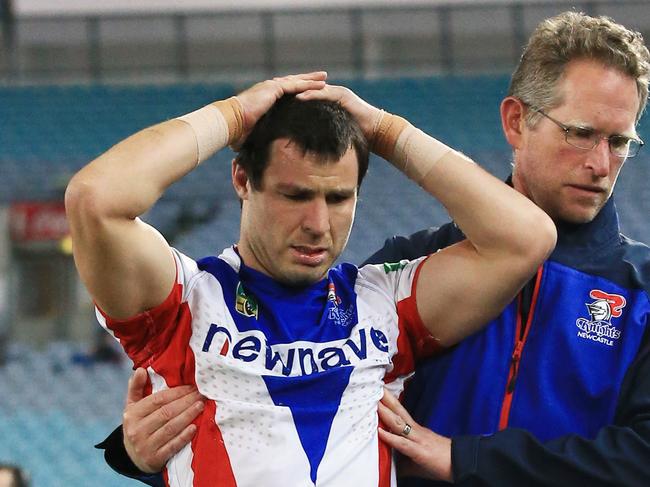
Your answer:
<point x="319" y="127"/>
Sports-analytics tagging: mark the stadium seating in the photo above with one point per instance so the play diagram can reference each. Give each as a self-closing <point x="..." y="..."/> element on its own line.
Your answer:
<point x="54" y="408"/>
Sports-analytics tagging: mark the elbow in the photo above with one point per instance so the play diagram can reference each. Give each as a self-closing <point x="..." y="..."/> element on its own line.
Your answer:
<point x="538" y="239"/>
<point x="82" y="201"/>
<point x="547" y="231"/>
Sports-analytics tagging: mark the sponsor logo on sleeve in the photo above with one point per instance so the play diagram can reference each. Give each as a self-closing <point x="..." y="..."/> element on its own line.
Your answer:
<point x="602" y="309"/>
<point x="394" y="266"/>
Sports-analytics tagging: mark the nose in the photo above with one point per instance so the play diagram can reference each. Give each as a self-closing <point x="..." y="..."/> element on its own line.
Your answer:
<point x="316" y="219"/>
<point x="599" y="159"/>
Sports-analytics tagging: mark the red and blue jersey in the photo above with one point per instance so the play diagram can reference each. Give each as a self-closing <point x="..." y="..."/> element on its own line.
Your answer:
<point x="292" y="376"/>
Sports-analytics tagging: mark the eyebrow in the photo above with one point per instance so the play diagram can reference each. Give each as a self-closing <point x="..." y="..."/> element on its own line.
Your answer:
<point x="303" y="191"/>
<point x="585" y="125"/>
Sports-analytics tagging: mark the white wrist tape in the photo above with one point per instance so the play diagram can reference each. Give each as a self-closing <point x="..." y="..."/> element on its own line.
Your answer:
<point x="215" y="126"/>
<point x="210" y="129"/>
<point x="416" y="153"/>
<point x="409" y="149"/>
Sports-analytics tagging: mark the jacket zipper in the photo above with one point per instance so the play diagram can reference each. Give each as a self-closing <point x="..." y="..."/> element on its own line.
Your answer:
<point x="520" y="341"/>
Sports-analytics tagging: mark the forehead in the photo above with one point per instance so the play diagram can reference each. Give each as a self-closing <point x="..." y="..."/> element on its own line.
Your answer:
<point x="289" y="164"/>
<point x="598" y="95"/>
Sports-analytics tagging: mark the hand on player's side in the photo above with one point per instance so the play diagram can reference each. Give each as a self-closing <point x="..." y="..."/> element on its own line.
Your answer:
<point x="159" y="425"/>
<point x="426" y="453"/>
<point x="259" y="98"/>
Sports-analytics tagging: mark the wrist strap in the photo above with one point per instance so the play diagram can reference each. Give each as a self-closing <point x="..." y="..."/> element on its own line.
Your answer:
<point x="215" y="126"/>
<point x="409" y="149"/>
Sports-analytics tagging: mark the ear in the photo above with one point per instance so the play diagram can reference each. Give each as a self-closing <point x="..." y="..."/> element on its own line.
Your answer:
<point x="513" y="120"/>
<point x="239" y="180"/>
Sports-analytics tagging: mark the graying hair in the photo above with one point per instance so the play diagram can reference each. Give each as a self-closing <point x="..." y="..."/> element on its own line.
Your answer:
<point x="568" y="36"/>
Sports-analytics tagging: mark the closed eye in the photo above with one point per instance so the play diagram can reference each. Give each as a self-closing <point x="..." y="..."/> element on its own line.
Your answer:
<point x="338" y="198"/>
<point x="298" y="196"/>
<point x="580" y="132"/>
<point x="619" y="141"/>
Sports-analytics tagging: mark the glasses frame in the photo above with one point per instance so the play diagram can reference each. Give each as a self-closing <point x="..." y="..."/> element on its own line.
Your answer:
<point x="566" y="128"/>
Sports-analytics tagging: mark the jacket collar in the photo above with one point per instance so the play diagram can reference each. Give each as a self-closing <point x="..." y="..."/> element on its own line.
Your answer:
<point x="602" y="231"/>
<point x="575" y="239"/>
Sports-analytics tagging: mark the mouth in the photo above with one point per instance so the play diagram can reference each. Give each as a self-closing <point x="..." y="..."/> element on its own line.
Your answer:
<point x="588" y="188"/>
<point x="309" y="255"/>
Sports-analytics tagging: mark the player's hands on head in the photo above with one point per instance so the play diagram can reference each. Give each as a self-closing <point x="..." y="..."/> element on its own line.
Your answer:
<point x="159" y="425"/>
<point x="259" y="98"/>
<point x="366" y="115"/>
<point x="426" y="454"/>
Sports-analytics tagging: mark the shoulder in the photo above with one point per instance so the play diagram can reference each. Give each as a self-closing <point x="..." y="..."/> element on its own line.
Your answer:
<point x="395" y="279"/>
<point x="636" y="256"/>
<point x="622" y="260"/>
<point x="418" y="244"/>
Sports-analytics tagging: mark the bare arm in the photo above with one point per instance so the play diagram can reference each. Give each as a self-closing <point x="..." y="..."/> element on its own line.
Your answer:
<point x="126" y="264"/>
<point x="463" y="286"/>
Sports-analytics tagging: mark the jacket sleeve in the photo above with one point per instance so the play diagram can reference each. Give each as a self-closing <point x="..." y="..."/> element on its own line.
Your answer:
<point x="416" y="245"/>
<point x="619" y="456"/>
<point x="117" y="458"/>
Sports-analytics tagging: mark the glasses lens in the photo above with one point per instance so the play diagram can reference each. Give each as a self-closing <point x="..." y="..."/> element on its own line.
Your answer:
<point x="633" y="148"/>
<point x="582" y="138"/>
<point x="620" y="146"/>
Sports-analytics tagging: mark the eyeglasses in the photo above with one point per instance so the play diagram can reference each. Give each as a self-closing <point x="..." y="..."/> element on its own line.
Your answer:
<point x="586" y="139"/>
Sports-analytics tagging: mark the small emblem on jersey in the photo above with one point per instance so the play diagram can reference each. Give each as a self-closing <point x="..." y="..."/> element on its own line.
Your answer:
<point x="245" y="304"/>
<point x="335" y="312"/>
<point x="394" y="266"/>
<point x="602" y="309"/>
<point x="331" y="294"/>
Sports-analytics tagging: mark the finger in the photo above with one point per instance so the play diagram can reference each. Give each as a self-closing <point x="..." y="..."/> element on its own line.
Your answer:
<point x="393" y="422"/>
<point x="314" y="75"/>
<point x="136" y="386"/>
<point x="293" y="86"/>
<point x="167" y="414"/>
<point x="403" y="445"/>
<point x="328" y="92"/>
<point x="393" y="403"/>
<point x="154" y="402"/>
<point x="173" y="446"/>
<point x="176" y="426"/>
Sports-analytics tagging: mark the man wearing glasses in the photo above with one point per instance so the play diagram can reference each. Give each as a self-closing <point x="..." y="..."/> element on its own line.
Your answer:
<point x="556" y="390"/>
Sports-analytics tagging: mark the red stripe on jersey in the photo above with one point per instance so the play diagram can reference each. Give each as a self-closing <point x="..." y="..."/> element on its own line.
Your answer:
<point x="147" y="334"/>
<point x="210" y="463"/>
<point x="385" y="461"/>
<point x="414" y="341"/>
<point x="176" y="363"/>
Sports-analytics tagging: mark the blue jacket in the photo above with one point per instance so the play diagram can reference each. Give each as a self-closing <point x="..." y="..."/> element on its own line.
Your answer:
<point x="556" y="390"/>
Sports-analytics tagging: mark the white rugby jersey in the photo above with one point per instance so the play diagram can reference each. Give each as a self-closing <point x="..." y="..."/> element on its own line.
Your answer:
<point x="292" y="376"/>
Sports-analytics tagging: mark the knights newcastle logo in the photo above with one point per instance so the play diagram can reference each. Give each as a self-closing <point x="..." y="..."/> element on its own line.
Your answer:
<point x="340" y="316"/>
<point x="602" y="309"/>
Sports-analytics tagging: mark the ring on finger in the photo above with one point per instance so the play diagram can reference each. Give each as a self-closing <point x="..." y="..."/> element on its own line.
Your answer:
<point x="406" y="430"/>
